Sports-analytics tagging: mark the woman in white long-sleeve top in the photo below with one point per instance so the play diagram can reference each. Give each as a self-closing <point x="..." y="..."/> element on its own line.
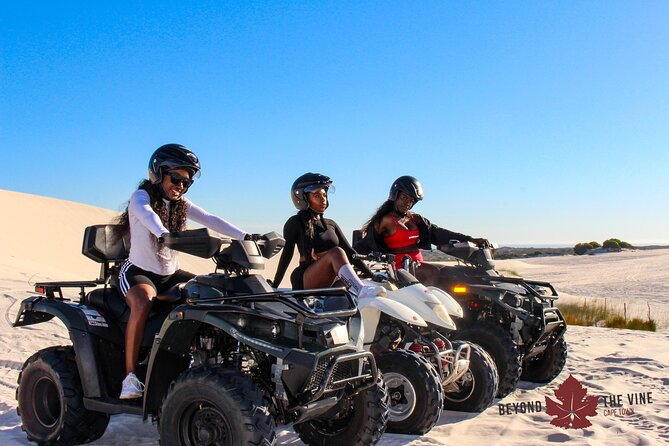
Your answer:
<point x="156" y="208"/>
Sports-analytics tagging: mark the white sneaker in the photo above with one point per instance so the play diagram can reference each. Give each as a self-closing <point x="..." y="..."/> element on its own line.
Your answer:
<point x="131" y="387"/>
<point x="372" y="291"/>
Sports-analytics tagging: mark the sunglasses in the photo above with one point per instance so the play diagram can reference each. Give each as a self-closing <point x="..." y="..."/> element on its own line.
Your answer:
<point x="176" y="179"/>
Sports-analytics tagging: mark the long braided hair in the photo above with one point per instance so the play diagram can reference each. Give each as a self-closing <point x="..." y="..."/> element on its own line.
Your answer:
<point x="174" y="219"/>
<point x="307" y="217"/>
<point x="386" y="208"/>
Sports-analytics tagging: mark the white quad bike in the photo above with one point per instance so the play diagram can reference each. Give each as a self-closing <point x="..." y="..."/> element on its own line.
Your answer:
<point x="416" y="395"/>
<point x="417" y="319"/>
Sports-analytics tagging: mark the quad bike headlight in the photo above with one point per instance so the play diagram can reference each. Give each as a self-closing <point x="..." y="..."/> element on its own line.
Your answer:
<point x="439" y="310"/>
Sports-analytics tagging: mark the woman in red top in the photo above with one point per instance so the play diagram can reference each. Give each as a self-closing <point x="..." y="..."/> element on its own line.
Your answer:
<point x="394" y="229"/>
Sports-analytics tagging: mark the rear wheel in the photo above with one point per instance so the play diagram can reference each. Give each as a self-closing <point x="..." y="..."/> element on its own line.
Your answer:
<point x="545" y="367"/>
<point x="359" y="420"/>
<point x="476" y="389"/>
<point x="499" y="344"/>
<point x="215" y="406"/>
<point x="50" y="400"/>
<point x="414" y="390"/>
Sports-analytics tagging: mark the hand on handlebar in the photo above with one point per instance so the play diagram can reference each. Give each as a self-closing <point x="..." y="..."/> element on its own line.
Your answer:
<point x="480" y="241"/>
<point x="254" y="237"/>
<point x="373" y="256"/>
<point x="380" y="277"/>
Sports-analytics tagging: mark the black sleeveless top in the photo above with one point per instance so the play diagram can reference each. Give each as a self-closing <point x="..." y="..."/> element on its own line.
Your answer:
<point x="327" y="235"/>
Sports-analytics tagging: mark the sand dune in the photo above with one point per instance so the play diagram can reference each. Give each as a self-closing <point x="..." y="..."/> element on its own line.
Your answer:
<point x="637" y="281"/>
<point x="43" y="242"/>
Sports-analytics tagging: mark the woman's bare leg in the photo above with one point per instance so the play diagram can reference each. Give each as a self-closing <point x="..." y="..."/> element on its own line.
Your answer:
<point x="323" y="271"/>
<point x="139" y="298"/>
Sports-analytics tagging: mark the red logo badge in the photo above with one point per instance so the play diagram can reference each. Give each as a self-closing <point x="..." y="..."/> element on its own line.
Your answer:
<point x="574" y="406"/>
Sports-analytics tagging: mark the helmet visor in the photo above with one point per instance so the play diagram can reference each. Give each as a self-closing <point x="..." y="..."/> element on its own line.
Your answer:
<point x="314" y="187"/>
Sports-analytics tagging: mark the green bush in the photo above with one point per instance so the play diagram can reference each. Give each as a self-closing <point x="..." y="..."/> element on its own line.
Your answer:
<point x="580" y="249"/>
<point x="612" y="243"/>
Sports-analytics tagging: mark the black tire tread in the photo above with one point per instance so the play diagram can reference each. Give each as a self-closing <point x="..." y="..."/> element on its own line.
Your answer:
<point x="548" y="365"/>
<point x="487" y="381"/>
<point x="375" y="419"/>
<point x="80" y="425"/>
<point x="499" y="344"/>
<point x="242" y="392"/>
<point x="428" y="409"/>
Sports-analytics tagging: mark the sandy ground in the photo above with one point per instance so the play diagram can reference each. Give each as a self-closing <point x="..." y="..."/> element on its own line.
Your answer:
<point x="43" y="241"/>
<point x="635" y="280"/>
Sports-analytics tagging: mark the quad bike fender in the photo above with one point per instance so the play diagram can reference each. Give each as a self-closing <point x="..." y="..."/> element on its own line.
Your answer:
<point x="79" y="325"/>
<point x="452" y="305"/>
<point x="423" y="301"/>
<point x="372" y="307"/>
<point x="391" y="308"/>
<point x="169" y="353"/>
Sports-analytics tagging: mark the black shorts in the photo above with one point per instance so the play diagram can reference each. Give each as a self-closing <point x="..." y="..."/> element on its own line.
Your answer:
<point x="131" y="275"/>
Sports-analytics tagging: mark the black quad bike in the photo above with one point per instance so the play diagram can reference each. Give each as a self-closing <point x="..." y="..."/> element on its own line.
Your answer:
<point x="223" y="363"/>
<point x="514" y="319"/>
<point x="466" y="372"/>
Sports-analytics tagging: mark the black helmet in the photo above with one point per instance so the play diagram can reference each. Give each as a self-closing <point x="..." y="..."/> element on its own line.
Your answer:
<point x="172" y="156"/>
<point x="308" y="182"/>
<point x="407" y="184"/>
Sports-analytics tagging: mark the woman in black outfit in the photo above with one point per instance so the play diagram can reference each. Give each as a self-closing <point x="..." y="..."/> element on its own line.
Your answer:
<point x="324" y="251"/>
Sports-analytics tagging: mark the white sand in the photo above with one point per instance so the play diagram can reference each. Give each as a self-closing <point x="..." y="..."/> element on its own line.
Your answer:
<point x="43" y="241"/>
<point x="635" y="280"/>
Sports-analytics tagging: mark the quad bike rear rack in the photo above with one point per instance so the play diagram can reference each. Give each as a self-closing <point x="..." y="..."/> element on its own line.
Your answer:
<point x="53" y="290"/>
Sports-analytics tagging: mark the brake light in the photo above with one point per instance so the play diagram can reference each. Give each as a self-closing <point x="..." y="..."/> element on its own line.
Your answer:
<point x="40" y="289"/>
<point x="460" y="289"/>
<point x="475" y="304"/>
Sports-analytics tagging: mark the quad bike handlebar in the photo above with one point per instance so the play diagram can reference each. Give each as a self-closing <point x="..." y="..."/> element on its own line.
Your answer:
<point x="478" y="255"/>
<point x="227" y="252"/>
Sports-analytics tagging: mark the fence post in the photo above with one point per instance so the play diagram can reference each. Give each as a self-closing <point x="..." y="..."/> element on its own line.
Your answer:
<point x="625" y="307"/>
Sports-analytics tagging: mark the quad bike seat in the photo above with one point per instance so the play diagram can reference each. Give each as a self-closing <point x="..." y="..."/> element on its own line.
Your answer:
<point x="103" y="246"/>
<point x="112" y="303"/>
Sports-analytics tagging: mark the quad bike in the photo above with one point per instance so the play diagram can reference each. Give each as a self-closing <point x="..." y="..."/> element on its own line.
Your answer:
<point x="223" y="363"/>
<point x="514" y="319"/>
<point x="414" y="386"/>
<point x="466" y="372"/>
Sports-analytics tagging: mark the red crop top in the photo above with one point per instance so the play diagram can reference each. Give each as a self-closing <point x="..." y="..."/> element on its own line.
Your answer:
<point x="400" y="240"/>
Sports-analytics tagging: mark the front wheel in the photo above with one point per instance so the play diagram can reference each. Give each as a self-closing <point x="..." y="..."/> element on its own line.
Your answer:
<point x="50" y="400"/>
<point x="215" y="406"/>
<point x="414" y="389"/>
<point x="545" y="367"/>
<point x="359" y="420"/>
<point x="499" y="344"/>
<point x="476" y="389"/>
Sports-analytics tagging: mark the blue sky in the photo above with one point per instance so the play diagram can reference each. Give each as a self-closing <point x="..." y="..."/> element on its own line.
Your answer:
<point x="526" y="122"/>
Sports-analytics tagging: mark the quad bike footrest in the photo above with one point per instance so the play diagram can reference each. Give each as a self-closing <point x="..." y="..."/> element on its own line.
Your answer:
<point x="114" y="406"/>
